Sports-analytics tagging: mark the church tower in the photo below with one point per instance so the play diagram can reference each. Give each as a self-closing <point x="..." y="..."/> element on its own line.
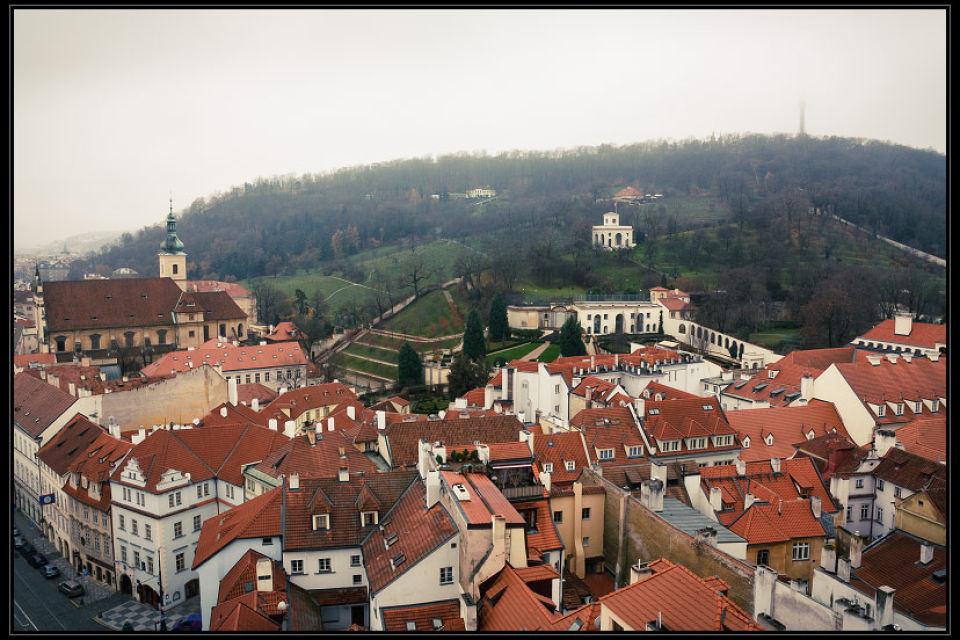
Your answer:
<point x="173" y="260"/>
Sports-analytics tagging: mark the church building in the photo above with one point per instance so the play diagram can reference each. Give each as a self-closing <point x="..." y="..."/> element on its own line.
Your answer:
<point x="611" y="235"/>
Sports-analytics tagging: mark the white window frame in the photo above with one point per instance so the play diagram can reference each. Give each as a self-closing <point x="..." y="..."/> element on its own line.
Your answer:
<point x="446" y="575"/>
<point x="296" y="566"/>
<point x="801" y="551"/>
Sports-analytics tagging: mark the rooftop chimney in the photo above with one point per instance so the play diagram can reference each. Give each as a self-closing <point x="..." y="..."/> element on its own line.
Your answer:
<point x="73" y="389"/>
<point x="775" y="464"/>
<point x="294" y="480"/>
<point x="381" y="420"/>
<point x="874" y="359"/>
<point x="806" y="387"/>
<point x="815" y="506"/>
<point x="640" y="571"/>
<point x="264" y="574"/>
<point x="892" y="357"/>
<point x="741" y="467"/>
<point x="926" y="553"/>
<point x="748" y="501"/>
<point x="641" y="406"/>
<point x="351" y="412"/>
<point x="255" y="404"/>
<point x="856" y="549"/>
<point x="884" y="606"/>
<point x="658" y="472"/>
<point x="716" y="499"/>
<point x="273" y="424"/>
<point x="330" y="422"/>
<point x="289" y="428"/>
<point x="902" y="324"/>
<point x="828" y="558"/>
<point x="432" y="483"/>
<point x="223" y="412"/>
<point x="884" y="441"/>
<point x="651" y="495"/>
<point x="232" y="391"/>
<point x="843" y="569"/>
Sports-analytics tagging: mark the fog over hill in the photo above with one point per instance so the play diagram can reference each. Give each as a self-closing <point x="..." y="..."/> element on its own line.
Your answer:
<point x="83" y="244"/>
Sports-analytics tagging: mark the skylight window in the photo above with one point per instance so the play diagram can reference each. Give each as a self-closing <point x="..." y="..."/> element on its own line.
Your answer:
<point x="777" y="391"/>
<point x="740" y="384"/>
<point x="760" y="387"/>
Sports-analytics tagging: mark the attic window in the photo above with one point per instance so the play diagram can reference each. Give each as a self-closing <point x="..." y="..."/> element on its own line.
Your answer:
<point x="708" y="407"/>
<point x="247" y="587"/>
<point x="461" y="492"/>
<point x="109" y="297"/>
<point x="397" y="560"/>
<point x="777" y="391"/>
<point x="939" y="576"/>
<point x="760" y="387"/>
<point x="549" y="443"/>
<point x="740" y="384"/>
<point x="437" y="624"/>
<point x="321" y="521"/>
<point x="793" y="395"/>
<point x="390" y="539"/>
<point x="411" y="625"/>
<point x="653" y="412"/>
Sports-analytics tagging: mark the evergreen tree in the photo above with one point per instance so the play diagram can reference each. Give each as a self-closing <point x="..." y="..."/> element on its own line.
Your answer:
<point x="499" y="330"/>
<point x="465" y="374"/>
<point x="409" y="367"/>
<point x="473" y="343"/>
<point x="570" y="342"/>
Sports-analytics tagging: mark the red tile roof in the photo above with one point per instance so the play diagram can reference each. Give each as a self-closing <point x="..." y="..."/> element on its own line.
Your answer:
<point x="226" y="449"/>
<point x="545" y="536"/>
<point x="655" y="389"/>
<point x="244" y="572"/>
<point x="36" y="404"/>
<point x="769" y="522"/>
<point x="789" y="371"/>
<point x="557" y="449"/>
<point x="258" y="517"/>
<point x="922" y="334"/>
<point x="537" y="572"/>
<point x="628" y="192"/>
<point x="925" y="437"/>
<point x="230" y="358"/>
<point x="787" y="425"/>
<point x="508" y="604"/>
<point x="247" y="392"/>
<point x="105" y="304"/>
<point x="503" y="451"/>
<point x="295" y="401"/>
<point x="485" y="500"/>
<point x="403" y="436"/>
<point x="100" y="459"/>
<point x="907" y="470"/>
<point x="683" y="600"/>
<point x="673" y="304"/>
<point x="283" y="332"/>
<point x="69" y="443"/>
<point x="893" y="561"/>
<point x="899" y="382"/>
<point x="89" y="378"/>
<point x="607" y="428"/>
<point x="688" y="418"/>
<point x="322" y="459"/>
<point x="422" y="617"/>
<point x="475" y="397"/>
<point x="418" y="530"/>
<point x="319" y="496"/>
<point x="244" y="613"/>
<point x="584" y="619"/>
<point x="24" y="360"/>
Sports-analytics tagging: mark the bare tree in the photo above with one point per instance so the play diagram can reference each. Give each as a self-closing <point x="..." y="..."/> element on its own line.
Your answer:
<point x="415" y="271"/>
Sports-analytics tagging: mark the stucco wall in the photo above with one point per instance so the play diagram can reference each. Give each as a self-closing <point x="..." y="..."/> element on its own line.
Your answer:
<point x="180" y="399"/>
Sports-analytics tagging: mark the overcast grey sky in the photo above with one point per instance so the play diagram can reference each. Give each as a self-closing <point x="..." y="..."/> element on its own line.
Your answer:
<point x="116" y="109"/>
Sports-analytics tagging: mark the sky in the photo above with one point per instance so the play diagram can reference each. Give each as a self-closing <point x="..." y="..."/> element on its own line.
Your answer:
<point x="117" y="111"/>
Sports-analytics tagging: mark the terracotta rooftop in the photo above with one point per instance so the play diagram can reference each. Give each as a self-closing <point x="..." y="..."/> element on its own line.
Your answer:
<point x="925" y="437"/>
<point x="69" y="443"/>
<point x="403" y="436"/>
<point x="558" y="449"/>
<point x="229" y="358"/>
<point x="897" y="382"/>
<point x="322" y="459"/>
<point x="100" y="459"/>
<point x="785" y="425"/>
<point x="26" y="359"/>
<point x="36" y="404"/>
<point x="688" y="418"/>
<point x="291" y="404"/>
<point x="922" y="334"/>
<point x="784" y="387"/>
<point x="543" y="537"/>
<point x="908" y="470"/>
<point x="483" y="499"/>
<point x="607" y="428"/>
<point x="416" y="532"/>
<point x="770" y="522"/>
<point x="424" y="617"/>
<point x="105" y="304"/>
<point x="247" y="392"/>
<point x="242" y="577"/>
<point x="683" y="600"/>
<point x="657" y="391"/>
<point x="894" y="561"/>
<point x="284" y="332"/>
<point x="258" y="517"/>
<point x="508" y="604"/>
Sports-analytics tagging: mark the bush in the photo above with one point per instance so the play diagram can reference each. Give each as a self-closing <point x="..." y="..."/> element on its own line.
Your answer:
<point x="525" y="334"/>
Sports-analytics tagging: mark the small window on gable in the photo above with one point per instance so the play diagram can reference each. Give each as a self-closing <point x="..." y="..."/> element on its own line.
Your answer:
<point x="321" y="521"/>
<point x="769" y="440"/>
<point x="548" y="467"/>
<point x="571" y="465"/>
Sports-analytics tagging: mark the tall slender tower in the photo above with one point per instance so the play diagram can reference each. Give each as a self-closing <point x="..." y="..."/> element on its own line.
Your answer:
<point x="803" y="129"/>
<point x="173" y="260"/>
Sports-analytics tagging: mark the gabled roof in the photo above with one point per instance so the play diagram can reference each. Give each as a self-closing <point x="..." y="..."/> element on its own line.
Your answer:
<point x="783" y="388"/>
<point x="258" y="517"/>
<point x="787" y="425"/>
<point x="226" y="449"/>
<point x="925" y="437"/>
<point x="104" y="304"/>
<point x="922" y="334"/>
<point x="283" y="332"/>
<point x="36" y="404"/>
<point x="69" y="443"/>
<point x="247" y="392"/>
<point x="545" y="536"/>
<point x="26" y="359"/>
<point x="681" y="599"/>
<point x="243" y="575"/>
<point x="686" y="418"/>
<point x="894" y="561"/>
<point x="403" y="436"/>
<point x="296" y="455"/>
<point x="508" y="604"/>
<point x="558" y="448"/>
<point x="229" y="358"/>
<point x="900" y="382"/>
<point x="418" y="530"/>
<point x="296" y="401"/>
<point x="100" y="459"/>
<point x="345" y="529"/>
<point x="770" y="522"/>
<point x="607" y="428"/>
<point x="232" y="289"/>
<point x="654" y="389"/>
<point x="908" y="470"/>
<point x="483" y="501"/>
<point x="423" y="616"/>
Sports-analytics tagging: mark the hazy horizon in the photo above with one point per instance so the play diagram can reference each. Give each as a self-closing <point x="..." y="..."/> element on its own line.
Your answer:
<point x="115" y="110"/>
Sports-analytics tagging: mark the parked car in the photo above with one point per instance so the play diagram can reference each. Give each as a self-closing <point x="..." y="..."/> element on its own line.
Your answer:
<point x="18" y="542"/>
<point x="37" y="559"/>
<point x="192" y="622"/>
<point x="71" y="588"/>
<point x="27" y="549"/>
<point x="50" y="571"/>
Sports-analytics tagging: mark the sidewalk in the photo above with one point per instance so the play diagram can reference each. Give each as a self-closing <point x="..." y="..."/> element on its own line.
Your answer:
<point x="144" y="617"/>
<point x="93" y="590"/>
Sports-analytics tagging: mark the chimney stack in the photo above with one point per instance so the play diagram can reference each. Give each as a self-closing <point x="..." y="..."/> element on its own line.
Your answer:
<point x="902" y="324"/>
<point x="289" y="428"/>
<point x="816" y="506"/>
<point x="856" y="550"/>
<point x="775" y="464"/>
<point x="843" y="570"/>
<point x="716" y="500"/>
<point x="255" y="405"/>
<point x="232" y="391"/>
<point x="926" y="553"/>
<point x="273" y="424"/>
<point x="806" y="387"/>
<point x="73" y="389"/>
<point x="351" y="412"/>
<point x="343" y="475"/>
<point x="884" y="606"/>
<point x="828" y="558"/>
<point x="741" y="467"/>
<point x="545" y="480"/>
<point x="640" y="571"/>
<point x="748" y="501"/>
<point x="641" y="406"/>
<point x="884" y="441"/>
<point x="651" y="494"/>
<point x="330" y="423"/>
<point x="223" y="412"/>
<point x="433" y="488"/>
<point x="381" y="420"/>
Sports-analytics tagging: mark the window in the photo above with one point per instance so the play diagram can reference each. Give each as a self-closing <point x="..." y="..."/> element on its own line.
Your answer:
<point x="357" y="578"/>
<point x="95" y="341"/>
<point x="267" y="542"/>
<point x="896" y="492"/>
<point x="606" y="454"/>
<point x="571" y="465"/>
<point x="801" y="550"/>
<point x="446" y="575"/>
<point x="128" y="339"/>
<point x="323" y="565"/>
<point x="123" y="555"/>
<point x="635" y="452"/>
<point x="199" y="491"/>
<point x="369" y="518"/>
<point x="296" y="566"/>
<point x="147" y="531"/>
<point x="161" y="336"/>
<point x="859" y="483"/>
<point x="548" y="467"/>
<point x="321" y="522"/>
<point x="120" y="523"/>
<point x="585" y="513"/>
<point x="880" y="514"/>
<point x="136" y="559"/>
<point x="849" y="514"/>
<point x="149" y="564"/>
<point x="879" y="484"/>
<point x="180" y="562"/>
<point x="196" y="523"/>
<point x="586" y="542"/>
<point x="229" y="491"/>
<point x="865" y="512"/>
<point x="556" y="388"/>
<point x="177" y="529"/>
<point x="354" y="561"/>
<point x="763" y="557"/>
<point x="266" y="376"/>
<point x="256" y="377"/>
<point x="133" y="527"/>
<point x="191" y="333"/>
<point x="411" y="625"/>
<point x="170" y="500"/>
<point x="250" y="485"/>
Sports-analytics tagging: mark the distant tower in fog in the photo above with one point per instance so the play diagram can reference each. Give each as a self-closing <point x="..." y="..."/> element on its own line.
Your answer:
<point x="802" y="131"/>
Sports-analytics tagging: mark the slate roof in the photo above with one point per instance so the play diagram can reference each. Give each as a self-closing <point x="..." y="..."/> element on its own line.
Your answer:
<point x="105" y="304"/>
<point x="229" y="358"/>
<point x="689" y="520"/>
<point x="683" y="600"/>
<point x="893" y="561"/>
<point x="922" y="334"/>
<point x="422" y="617"/>
<point x="36" y="404"/>
<point x="403" y="436"/>
<point x="787" y="425"/>
<point x="258" y="517"/>
<point x="317" y="496"/>
<point x="418" y="530"/>
<point x="69" y="443"/>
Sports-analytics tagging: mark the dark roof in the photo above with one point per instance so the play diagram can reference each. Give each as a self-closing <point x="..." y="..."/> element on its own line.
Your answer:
<point x="36" y="404"/>
<point x="102" y="304"/>
<point x="69" y="443"/>
<point x="402" y="437"/>
<point x="908" y="470"/>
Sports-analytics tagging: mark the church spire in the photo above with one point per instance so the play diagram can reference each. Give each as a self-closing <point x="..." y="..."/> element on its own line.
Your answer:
<point x="172" y="244"/>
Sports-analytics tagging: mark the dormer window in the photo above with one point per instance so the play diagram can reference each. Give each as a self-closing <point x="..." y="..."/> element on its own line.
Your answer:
<point x="571" y="465"/>
<point x="605" y="454"/>
<point x="368" y="518"/>
<point x="769" y="439"/>
<point x="773" y="373"/>
<point x="881" y="411"/>
<point x="746" y="442"/>
<point x="548" y="467"/>
<point x="635" y="452"/>
<point x="321" y="521"/>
